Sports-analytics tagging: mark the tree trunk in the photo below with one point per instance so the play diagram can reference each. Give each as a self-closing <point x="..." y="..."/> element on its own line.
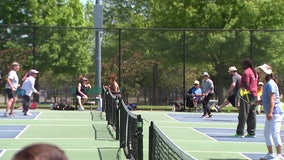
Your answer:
<point x="155" y="84"/>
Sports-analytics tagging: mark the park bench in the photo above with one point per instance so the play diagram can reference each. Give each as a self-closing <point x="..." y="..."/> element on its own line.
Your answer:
<point x="93" y="98"/>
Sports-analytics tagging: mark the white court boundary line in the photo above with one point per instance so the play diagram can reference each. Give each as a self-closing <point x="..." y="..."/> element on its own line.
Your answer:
<point x="3" y="152"/>
<point x="22" y="131"/>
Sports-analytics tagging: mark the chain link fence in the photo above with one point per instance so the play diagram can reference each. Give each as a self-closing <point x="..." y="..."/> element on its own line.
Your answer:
<point x="154" y="66"/>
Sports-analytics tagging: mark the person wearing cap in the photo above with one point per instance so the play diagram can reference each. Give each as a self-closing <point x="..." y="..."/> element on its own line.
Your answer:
<point x="29" y="88"/>
<point x="81" y="92"/>
<point x="232" y="92"/>
<point x="10" y="89"/>
<point x="207" y="91"/>
<point x="273" y="111"/>
<point x="247" y="95"/>
<point x="194" y="95"/>
<point x="259" y="94"/>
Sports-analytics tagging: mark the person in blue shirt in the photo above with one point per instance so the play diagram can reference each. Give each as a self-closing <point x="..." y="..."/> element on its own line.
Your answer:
<point x="195" y="94"/>
<point x="272" y="108"/>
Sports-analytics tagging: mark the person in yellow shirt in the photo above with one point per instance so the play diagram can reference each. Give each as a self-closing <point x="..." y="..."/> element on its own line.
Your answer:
<point x="259" y="94"/>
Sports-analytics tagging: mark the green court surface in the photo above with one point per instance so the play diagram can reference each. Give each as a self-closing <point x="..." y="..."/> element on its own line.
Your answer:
<point x="84" y="135"/>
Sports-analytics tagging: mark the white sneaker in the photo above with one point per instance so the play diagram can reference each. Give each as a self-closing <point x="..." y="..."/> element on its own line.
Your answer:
<point x="28" y="114"/>
<point x="268" y="156"/>
<point x="81" y="108"/>
<point x="279" y="156"/>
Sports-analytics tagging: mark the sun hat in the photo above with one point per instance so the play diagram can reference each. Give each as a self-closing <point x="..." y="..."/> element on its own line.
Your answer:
<point x="265" y="68"/>
<point x="15" y="64"/>
<point x="205" y="74"/>
<point x="196" y="82"/>
<point x="232" y="68"/>
<point x="33" y="71"/>
<point x="260" y="83"/>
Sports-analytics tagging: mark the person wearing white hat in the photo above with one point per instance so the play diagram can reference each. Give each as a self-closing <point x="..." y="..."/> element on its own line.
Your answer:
<point x="29" y="88"/>
<point x="273" y="111"/>
<point x="81" y="94"/>
<point x="194" y="95"/>
<point x="232" y="92"/>
<point x="10" y="89"/>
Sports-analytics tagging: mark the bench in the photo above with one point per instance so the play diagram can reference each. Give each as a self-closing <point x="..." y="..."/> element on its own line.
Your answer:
<point x="93" y="98"/>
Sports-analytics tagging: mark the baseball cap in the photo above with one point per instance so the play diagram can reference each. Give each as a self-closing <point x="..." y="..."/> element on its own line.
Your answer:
<point x="205" y="74"/>
<point x="260" y="83"/>
<point x="232" y="68"/>
<point x="265" y="68"/>
<point x="33" y="71"/>
<point x="84" y="79"/>
<point x="196" y="82"/>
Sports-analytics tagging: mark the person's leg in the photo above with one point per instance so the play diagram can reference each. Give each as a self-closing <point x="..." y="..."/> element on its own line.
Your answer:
<point x="80" y="103"/>
<point x="224" y="104"/>
<point x="267" y="133"/>
<point x="13" y="105"/>
<point x="26" y="104"/>
<point x="276" y="129"/>
<point x="210" y="96"/>
<point x="243" y="111"/>
<point x="204" y="106"/>
<point x="251" y="120"/>
<point x="9" y="101"/>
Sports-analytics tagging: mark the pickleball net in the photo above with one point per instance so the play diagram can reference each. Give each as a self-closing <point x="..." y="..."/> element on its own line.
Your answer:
<point x="161" y="147"/>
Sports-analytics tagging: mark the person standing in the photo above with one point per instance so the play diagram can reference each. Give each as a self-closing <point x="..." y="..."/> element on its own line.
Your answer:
<point x="28" y="87"/>
<point x="10" y="89"/>
<point x="232" y="92"/>
<point x="113" y="85"/>
<point x="248" y="94"/>
<point x="207" y="92"/>
<point x="273" y="112"/>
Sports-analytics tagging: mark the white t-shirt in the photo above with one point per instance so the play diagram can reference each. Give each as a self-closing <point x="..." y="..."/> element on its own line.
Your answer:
<point x="12" y="75"/>
<point x="28" y="85"/>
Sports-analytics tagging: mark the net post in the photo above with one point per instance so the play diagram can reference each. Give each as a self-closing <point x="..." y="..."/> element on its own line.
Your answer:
<point x="140" y="137"/>
<point x="151" y="147"/>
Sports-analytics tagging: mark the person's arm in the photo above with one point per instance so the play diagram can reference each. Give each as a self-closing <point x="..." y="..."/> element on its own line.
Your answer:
<point x="10" y="84"/>
<point x="269" y="114"/>
<point x="33" y="87"/>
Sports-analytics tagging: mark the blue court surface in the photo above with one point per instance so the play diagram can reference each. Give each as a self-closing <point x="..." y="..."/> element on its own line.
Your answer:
<point x="217" y="118"/>
<point x="20" y="115"/>
<point x="224" y="134"/>
<point x="11" y="131"/>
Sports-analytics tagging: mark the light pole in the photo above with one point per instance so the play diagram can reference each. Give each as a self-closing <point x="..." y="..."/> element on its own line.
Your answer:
<point x="98" y="25"/>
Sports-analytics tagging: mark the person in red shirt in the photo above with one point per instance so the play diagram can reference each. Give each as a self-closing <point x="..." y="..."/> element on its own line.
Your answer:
<point x="247" y="96"/>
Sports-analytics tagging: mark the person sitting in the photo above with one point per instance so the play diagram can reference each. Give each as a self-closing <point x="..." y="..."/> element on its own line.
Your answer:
<point x="81" y="90"/>
<point x="194" y="96"/>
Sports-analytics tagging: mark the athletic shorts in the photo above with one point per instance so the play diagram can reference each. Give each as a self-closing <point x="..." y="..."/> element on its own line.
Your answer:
<point x="232" y="100"/>
<point x="9" y="93"/>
